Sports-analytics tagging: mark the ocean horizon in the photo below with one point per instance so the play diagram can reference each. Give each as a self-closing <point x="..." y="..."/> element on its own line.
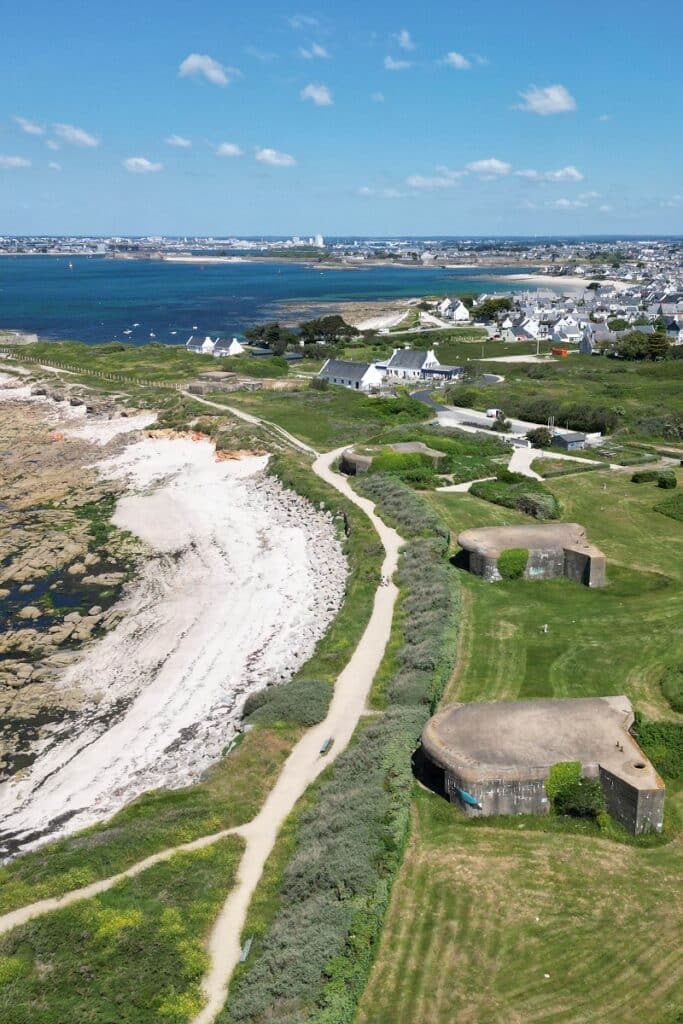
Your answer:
<point x="97" y="300"/>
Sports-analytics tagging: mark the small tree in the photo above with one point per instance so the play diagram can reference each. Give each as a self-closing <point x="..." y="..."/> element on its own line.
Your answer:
<point x="540" y="437"/>
<point x="512" y="563"/>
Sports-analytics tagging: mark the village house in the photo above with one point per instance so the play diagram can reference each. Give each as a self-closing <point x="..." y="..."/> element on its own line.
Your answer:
<point x="455" y="310"/>
<point x="410" y="364"/>
<point x="347" y="374"/>
<point x="209" y="347"/>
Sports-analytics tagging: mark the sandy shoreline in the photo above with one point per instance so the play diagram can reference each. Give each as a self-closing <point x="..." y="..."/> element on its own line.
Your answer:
<point x="241" y="581"/>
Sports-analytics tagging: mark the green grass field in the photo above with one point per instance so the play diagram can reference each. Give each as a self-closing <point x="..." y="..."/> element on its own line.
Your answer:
<point x="479" y="916"/>
<point x="328" y="419"/>
<point x="133" y="955"/>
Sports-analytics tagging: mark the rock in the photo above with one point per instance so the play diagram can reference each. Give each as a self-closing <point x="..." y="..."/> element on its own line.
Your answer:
<point x="73" y="617"/>
<point x="105" y="579"/>
<point x="30" y="612"/>
<point x="4" y="593"/>
<point x="77" y="569"/>
<point x="91" y="559"/>
<point x="25" y="588"/>
<point x="95" y="610"/>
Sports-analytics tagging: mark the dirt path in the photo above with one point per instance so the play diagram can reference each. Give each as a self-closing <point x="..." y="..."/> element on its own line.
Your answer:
<point x="305" y="762"/>
<point x="302" y="767"/>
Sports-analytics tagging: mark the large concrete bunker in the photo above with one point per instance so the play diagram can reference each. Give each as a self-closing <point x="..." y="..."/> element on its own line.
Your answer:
<point x="555" y="549"/>
<point x="496" y="758"/>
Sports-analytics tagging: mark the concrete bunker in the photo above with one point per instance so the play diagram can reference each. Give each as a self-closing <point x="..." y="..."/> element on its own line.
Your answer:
<point x="496" y="757"/>
<point x="359" y="459"/>
<point x="555" y="549"/>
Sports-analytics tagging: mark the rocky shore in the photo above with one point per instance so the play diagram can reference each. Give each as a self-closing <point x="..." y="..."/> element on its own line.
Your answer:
<point x="141" y="685"/>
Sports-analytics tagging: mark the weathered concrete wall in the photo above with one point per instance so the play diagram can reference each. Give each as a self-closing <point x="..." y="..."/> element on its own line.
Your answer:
<point x="352" y="463"/>
<point x="500" y="796"/>
<point x="589" y="569"/>
<point x="639" y="810"/>
<point x="545" y="565"/>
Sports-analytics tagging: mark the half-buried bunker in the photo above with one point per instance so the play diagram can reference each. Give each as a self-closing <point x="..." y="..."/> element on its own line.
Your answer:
<point x="495" y="758"/>
<point x="552" y="549"/>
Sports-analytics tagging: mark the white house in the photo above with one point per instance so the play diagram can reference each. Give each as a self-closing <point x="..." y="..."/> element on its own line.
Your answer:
<point x="201" y="347"/>
<point x="460" y="313"/>
<point x="356" y="376"/>
<point x="228" y="348"/>
<point x="410" y="364"/>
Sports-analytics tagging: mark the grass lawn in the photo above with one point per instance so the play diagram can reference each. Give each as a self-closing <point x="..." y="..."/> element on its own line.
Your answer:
<point x="133" y="955"/>
<point x="480" y="915"/>
<point x="327" y="419"/>
<point x="617" y="639"/>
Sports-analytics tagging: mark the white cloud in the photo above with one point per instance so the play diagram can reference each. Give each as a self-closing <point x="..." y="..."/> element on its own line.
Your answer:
<point x="604" y="117"/>
<point x="490" y="168"/>
<point x="552" y="99"/>
<point x="316" y="50"/>
<point x="382" y="193"/>
<point x="377" y="97"/>
<point x="54" y="166"/>
<point x="405" y="40"/>
<point x="51" y="144"/>
<point x="263" y="55"/>
<point x="212" y="70"/>
<point x="605" y="208"/>
<point x="75" y="136"/>
<point x="673" y="203"/>
<point x="457" y="60"/>
<point x="229" y="149"/>
<point x="568" y="204"/>
<point x="396" y="65"/>
<point x="140" y="165"/>
<point x="178" y="141"/>
<point x="302" y="21"/>
<point x="444" y="178"/>
<point x="13" y="162"/>
<point x="274" y="158"/>
<point x="29" y="127"/>
<point x="318" y="94"/>
<point x="589" y="195"/>
<point x="569" y="173"/>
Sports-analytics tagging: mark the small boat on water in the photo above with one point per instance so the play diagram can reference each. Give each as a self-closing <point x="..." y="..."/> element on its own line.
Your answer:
<point x="194" y="327"/>
<point x="152" y="334"/>
<point x="136" y="325"/>
<point x="174" y="332"/>
<point x="128" y="331"/>
<point x="70" y="265"/>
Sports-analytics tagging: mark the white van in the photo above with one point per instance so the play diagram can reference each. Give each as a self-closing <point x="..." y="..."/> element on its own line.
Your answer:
<point x="492" y="414"/>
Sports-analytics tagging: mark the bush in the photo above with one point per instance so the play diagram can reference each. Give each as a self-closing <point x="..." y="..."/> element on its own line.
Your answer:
<point x="319" y="384"/>
<point x="400" y="506"/>
<point x="644" y="476"/>
<point x="666" y="479"/>
<point x="663" y="744"/>
<point x="525" y="495"/>
<point x="570" y="794"/>
<point x="672" y="687"/>
<point x="672" y="507"/>
<point x="541" y="437"/>
<point x="512" y="563"/>
<point x="414" y="468"/>
<point x="298" y="702"/>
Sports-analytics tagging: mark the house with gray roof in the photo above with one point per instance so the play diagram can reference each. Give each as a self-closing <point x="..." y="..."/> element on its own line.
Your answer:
<point x="410" y="364"/>
<point x="348" y="374"/>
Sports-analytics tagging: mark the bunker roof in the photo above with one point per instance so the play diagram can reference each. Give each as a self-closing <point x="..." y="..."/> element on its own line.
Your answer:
<point x="490" y="541"/>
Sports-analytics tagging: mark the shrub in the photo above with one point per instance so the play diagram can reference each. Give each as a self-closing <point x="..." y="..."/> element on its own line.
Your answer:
<point x="299" y="702"/>
<point x="663" y="744"/>
<point x="319" y="384"/>
<point x="526" y="495"/>
<point x="672" y="687"/>
<point x="512" y="563"/>
<point x="666" y="479"/>
<point x="644" y="476"/>
<point x="541" y="437"/>
<point x="672" y="507"/>
<point x="570" y="794"/>
<point x="400" y="506"/>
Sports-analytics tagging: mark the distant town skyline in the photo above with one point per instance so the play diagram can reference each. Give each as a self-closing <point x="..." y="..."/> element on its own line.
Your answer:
<point x="451" y="120"/>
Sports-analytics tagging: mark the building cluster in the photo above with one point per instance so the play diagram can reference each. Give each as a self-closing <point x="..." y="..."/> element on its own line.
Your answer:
<point x="404" y="366"/>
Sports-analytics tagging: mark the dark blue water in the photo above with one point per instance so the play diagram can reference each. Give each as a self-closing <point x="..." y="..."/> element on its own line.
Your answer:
<point x="99" y="299"/>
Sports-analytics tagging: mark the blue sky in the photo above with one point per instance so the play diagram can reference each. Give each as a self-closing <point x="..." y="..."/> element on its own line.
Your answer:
<point x="174" y="117"/>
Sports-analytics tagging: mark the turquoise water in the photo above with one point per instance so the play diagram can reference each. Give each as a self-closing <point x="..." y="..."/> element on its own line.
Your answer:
<point x="99" y="299"/>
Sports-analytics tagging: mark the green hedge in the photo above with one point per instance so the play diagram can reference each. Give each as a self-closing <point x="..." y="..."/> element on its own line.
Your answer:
<point x="663" y="744"/>
<point x="666" y="479"/>
<point x="400" y="506"/>
<point x="512" y="563"/>
<point x="672" y="507"/>
<point x="672" y="687"/>
<point x="526" y="495"/>
<point x="313" y="960"/>
<point x="298" y="701"/>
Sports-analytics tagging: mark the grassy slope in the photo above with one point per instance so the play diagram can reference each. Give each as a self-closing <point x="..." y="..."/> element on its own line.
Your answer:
<point x="480" y="915"/>
<point x="638" y="612"/>
<point x="133" y="955"/>
<point x="324" y="419"/>
<point x="461" y="941"/>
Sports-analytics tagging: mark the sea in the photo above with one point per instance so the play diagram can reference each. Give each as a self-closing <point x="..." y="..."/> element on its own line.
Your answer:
<point x="98" y="300"/>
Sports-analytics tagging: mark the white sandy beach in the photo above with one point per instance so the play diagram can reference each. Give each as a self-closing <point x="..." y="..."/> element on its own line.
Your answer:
<point x="243" y="581"/>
